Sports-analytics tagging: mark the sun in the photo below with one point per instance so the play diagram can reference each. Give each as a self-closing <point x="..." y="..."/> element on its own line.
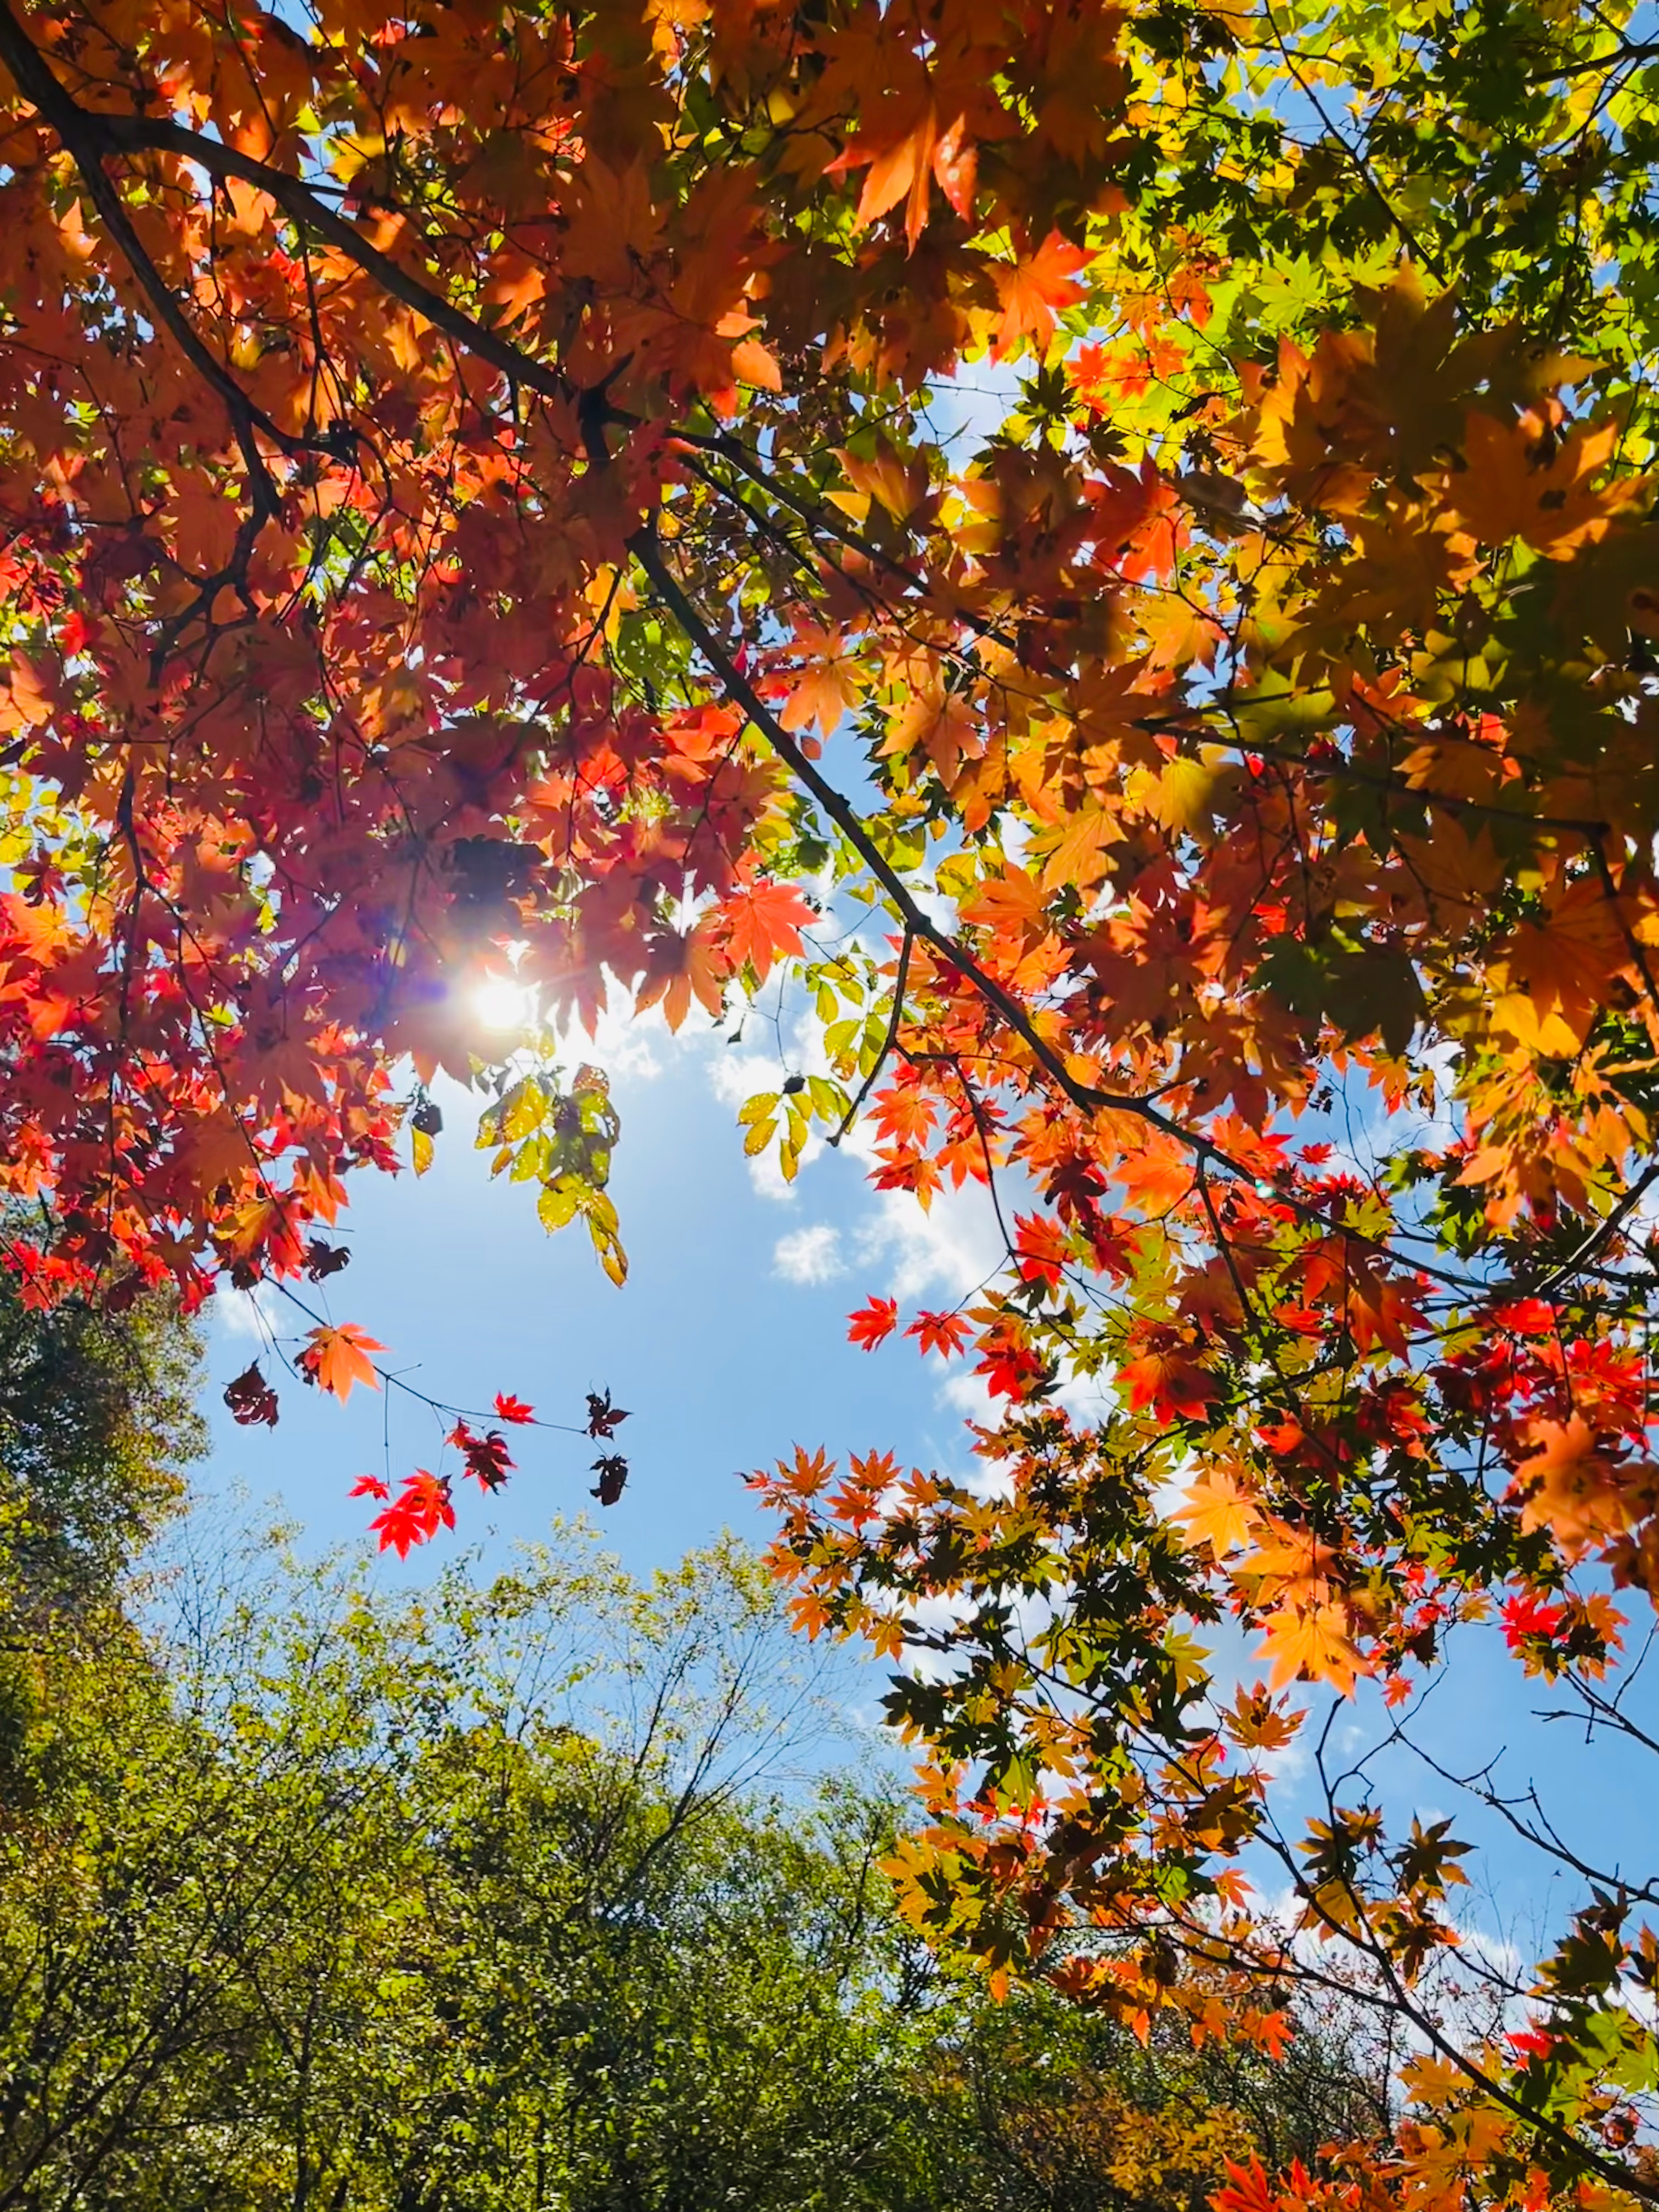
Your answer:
<point x="501" y="1003"/>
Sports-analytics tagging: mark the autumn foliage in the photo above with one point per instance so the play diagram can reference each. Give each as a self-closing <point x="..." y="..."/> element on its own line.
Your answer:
<point x="485" y="494"/>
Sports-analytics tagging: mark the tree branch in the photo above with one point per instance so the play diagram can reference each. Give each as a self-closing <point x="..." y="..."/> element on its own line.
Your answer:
<point x="918" y="923"/>
<point x="86" y="138"/>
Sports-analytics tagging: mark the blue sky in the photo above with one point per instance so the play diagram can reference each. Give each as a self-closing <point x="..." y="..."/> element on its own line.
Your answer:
<point x="727" y="1343"/>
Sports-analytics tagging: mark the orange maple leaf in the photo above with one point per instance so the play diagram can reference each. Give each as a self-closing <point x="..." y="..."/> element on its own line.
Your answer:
<point x="1311" y="1643"/>
<point x="828" y="685"/>
<point x="1172" y="1382"/>
<point x="940" y="723"/>
<point x="1577" y="1488"/>
<point x="1515" y="487"/>
<point x="901" y="168"/>
<point x="1217" y="1512"/>
<point x="762" y="921"/>
<point x="1010" y="904"/>
<point x="901" y="161"/>
<point x="1034" y="292"/>
<point x="757" y="364"/>
<point x="680" y="964"/>
<point x="338" y="1357"/>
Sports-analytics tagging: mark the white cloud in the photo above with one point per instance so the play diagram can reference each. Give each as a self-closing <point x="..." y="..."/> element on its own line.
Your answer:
<point x="622" y="1043"/>
<point x="952" y="1246"/>
<point x="808" y="1256"/>
<point x="248" y="1313"/>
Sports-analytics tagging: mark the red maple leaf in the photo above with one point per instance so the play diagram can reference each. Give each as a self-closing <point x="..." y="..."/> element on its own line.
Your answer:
<point x="872" y="1324"/>
<point x="487" y="1457"/>
<point x="509" y="1408"/>
<point x="944" y="1333"/>
<point x="421" y="1508"/>
<point x="1530" y="1615"/>
<point x="1531" y="2042"/>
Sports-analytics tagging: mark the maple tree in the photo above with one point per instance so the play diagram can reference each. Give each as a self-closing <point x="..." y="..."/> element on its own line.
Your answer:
<point x="482" y="499"/>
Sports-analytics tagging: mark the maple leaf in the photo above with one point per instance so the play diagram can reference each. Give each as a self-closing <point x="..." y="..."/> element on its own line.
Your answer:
<point x="757" y="364"/>
<point x="902" y="156"/>
<point x="682" y="964"/>
<point x="1576" y="1485"/>
<point x="1514" y="487"/>
<point x="335" y="1359"/>
<point x="252" y="1401"/>
<point x="324" y="1260"/>
<point x="897" y="485"/>
<point x="509" y="1408"/>
<point x="762" y="921"/>
<point x="603" y="1418"/>
<point x="1034" y="292"/>
<point x="1311" y="1643"/>
<point x="873" y="1322"/>
<point x="1011" y="904"/>
<point x="1043" y="1250"/>
<point x="612" y="1471"/>
<point x="1172" y="1382"/>
<point x="1531" y="2042"/>
<point x="944" y="1333"/>
<point x="1530" y="1615"/>
<point x="828" y="685"/>
<point x="1219" y="1513"/>
<point x="1255" y="1722"/>
<point x="487" y="1458"/>
<point x="370" y="1486"/>
<point x="939" y="723"/>
<point x="421" y="1508"/>
<point x="1247" y="2189"/>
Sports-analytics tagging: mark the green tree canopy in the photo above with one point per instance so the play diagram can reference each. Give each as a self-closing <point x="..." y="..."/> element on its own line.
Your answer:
<point x="97" y="1427"/>
<point x="518" y="1896"/>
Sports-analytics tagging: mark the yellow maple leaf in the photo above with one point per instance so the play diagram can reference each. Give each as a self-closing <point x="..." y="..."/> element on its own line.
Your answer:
<point x="1076" y="853"/>
<point x="1509" y="488"/>
<point x="1558" y="971"/>
<point x="1178" y="634"/>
